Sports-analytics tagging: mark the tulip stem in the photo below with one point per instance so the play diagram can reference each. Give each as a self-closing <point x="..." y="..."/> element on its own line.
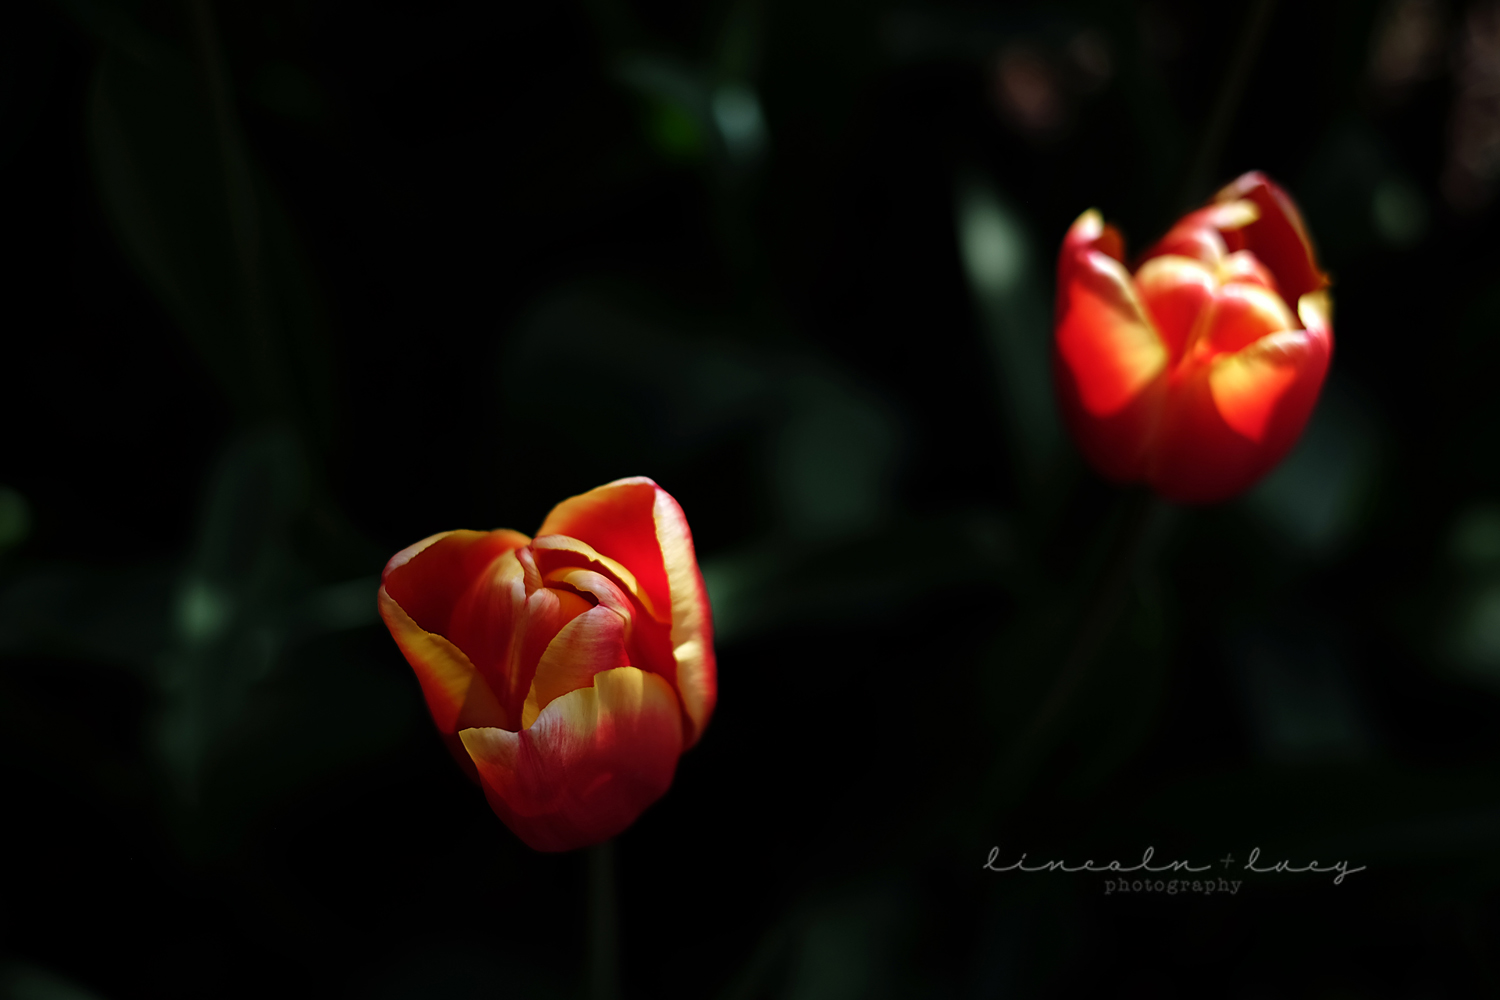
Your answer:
<point x="604" y="935"/>
<point x="1216" y="132"/>
<point x="1140" y="533"/>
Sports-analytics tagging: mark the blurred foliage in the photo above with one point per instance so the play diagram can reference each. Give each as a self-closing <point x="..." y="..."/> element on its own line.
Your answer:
<point x="202" y="227"/>
<point x="1002" y="268"/>
<point x="295" y="283"/>
<point x="24" y="982"/>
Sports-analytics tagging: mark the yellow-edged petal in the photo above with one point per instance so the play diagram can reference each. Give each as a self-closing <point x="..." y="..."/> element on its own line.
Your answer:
<point x="593" y="760"/>
<point x="456" y="694"/>
<point x="1247" y="385"/>
<point x="1105" y="337"/>
<point x="692" y="620"/>
<point x="590" y="643"/>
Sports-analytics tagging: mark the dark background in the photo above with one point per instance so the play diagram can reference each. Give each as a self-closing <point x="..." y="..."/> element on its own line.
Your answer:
<point x="287" y="286"/>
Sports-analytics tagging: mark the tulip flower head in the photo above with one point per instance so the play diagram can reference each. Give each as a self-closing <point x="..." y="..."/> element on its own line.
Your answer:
<point x="566" y="672"/>
<point x="1197" y="373"/>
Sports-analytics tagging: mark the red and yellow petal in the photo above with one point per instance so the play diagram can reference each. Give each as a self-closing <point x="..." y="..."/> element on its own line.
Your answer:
<point x="576" y="565"/>
<point x="648" y="642"/>
<point x="1108" y="366"/>
<point x="428" y="579"/>
<point x="556" y="553"/>
<point x="1088" y="234"/>
<point x="1229" y="422"/>
<point x="593" y="760"/>
<point x="1315" y="309"/>
<point x="483" y="623"/>
<point x="1247" y="386"/>
<point x="1278" y="237"/>
<point x="617" y="520"/>
<point x="456" y="695"/>
<point x="692" y="620"/>
<point x="1244" y="267"/>
<point x="591" y="643"/>
<point x="1105" y="338"/>
<point x="1193" y="237"/>
<point x="637" y="525"/>
<point x="1240" y="315"/>
<point x="605" y="590"/>
<point x="1176" y="291"/>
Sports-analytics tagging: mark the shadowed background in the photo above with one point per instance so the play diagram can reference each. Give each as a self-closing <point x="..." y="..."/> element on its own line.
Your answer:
<point x="290" y="285"/>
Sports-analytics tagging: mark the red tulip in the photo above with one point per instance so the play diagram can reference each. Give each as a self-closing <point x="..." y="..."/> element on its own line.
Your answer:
<point x="1194" y="374"/>
<point x="566" y="672"/>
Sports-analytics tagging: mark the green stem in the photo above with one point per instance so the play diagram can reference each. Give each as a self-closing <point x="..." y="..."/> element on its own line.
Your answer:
<point x="1139" y="535"/>
<point x="604" y="935"/>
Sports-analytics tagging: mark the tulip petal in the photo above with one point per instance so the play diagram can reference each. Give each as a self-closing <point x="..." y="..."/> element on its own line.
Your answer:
<point x="555" y="552"/>
<point x="1104" y="337"/>
<point x="1229" y="422"/>
<point x="1244" y="267"/>
<point x="1231" y="215"/>
<point x="1241" y="315"/>
<point x="640" y="526"/>
<point x="1087" y="233"/>
<point x="1247" y="385"/>
<point x="1195" y="237"/>
<point x="1279" y="237"/>
<point x="592" y="642"/>
<point x="593" y="760"/>
<point x="1315" y="309"/>
<point x="1176" y="291"/>
<point x="692" y="619"/>
<point x="456" y="695"/>
<point x="546" y="616"/>
<point x="484" y="623"/>
<point x="574" y="564"/>
<point x="598" y="586"/>
<point x="648" y="642"/>
<point x="428" y="578"/>
<point x="617" y="521"/>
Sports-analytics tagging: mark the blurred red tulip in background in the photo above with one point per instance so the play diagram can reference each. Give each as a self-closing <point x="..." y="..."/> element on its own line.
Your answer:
<point x="567" y="672"/>
<point x="1197" y="373"/>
